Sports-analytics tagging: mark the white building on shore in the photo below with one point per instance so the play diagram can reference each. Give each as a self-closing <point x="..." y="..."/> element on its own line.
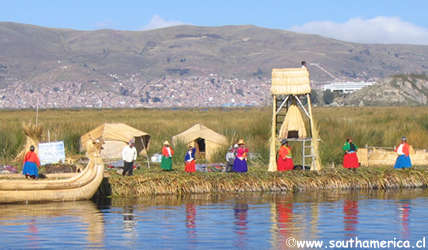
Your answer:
<point x="346" y="87"/>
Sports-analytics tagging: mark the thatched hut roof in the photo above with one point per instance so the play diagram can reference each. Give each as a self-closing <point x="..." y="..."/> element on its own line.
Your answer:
<point x="290" y="81"/>
<point x="113" y="132"/>
<point x="116" y="136"/>
<point x="200" y="131"/>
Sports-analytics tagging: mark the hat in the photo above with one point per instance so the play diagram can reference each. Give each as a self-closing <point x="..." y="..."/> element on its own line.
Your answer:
<point x="166" y="143"/>
<point x="235" y="146"/>
<point x="403" y="138"/>
<point x="190" y="146"/>
<point x="241" y="141"/>
<point x="284" y="141"/>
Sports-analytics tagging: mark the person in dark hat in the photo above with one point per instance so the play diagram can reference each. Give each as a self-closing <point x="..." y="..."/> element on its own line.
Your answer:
<point x="303" y="63"/>
<point x="350" y="159"/>
<point x="285" y="160"/>
<point x="403" y="151"/>
<point x="31" y="164"/>
<point x="189" y="159"/>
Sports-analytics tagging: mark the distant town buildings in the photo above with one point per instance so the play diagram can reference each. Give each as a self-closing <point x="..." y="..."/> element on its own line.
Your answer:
<point x="346" y="87"/>
<point x="135" y="92"/>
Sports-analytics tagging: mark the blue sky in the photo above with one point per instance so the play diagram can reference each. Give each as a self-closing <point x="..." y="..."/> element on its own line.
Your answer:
<point x="379" y="21"/>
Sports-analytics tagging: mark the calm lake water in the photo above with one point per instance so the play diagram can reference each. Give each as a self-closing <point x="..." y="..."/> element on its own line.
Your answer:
<point x="243" y="221"/>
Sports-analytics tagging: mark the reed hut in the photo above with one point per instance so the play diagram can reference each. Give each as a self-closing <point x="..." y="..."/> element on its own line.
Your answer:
<point x="205" y="140"/>
<point x="293" y="125"/>
<point x="115" y="137"/>
<point x="289" y="86"/>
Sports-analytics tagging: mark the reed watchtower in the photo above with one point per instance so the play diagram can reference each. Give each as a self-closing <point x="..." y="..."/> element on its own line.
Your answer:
<point x="289" y="87"/>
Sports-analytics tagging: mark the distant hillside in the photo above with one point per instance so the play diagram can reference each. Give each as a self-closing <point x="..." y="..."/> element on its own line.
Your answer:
<point x="229" y="65"/>
<point x="398" y="90"/>
<point x="36" y="54"/>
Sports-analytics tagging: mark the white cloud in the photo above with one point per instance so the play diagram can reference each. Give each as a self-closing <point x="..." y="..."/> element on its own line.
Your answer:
<point x="376" y="30"/>
<point x="158" y="22"/>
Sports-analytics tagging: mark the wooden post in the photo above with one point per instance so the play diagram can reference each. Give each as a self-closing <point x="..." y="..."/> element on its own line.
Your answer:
<point x="272" y="153"/>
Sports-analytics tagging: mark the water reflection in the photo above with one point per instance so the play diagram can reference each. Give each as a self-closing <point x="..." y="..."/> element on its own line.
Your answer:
<point x="216" y="221"/>
<point x="191" y="221"/>
<point x="240" y="211"/>
<point x="284" y="209"/>
<point x="282" y="219"/>
<point x="129" y="222"/>
<point x="89" y="218"/>
<point x="404" y="214"/>
<point x="33" y="234"/>
<point x="350" y="217"/>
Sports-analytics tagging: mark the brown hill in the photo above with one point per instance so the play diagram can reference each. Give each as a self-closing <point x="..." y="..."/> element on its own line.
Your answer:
<point x="397" y="90"/>
<point x="39" y="56"/>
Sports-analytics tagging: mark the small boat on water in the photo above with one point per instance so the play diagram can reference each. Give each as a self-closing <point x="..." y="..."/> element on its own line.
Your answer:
<point x="81" y="186"/>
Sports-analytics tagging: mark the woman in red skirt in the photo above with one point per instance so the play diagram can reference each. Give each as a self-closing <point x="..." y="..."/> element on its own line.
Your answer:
<point x="350" y="159"/>
<point x="190" y="160"/>
<point x="285" y="161"/>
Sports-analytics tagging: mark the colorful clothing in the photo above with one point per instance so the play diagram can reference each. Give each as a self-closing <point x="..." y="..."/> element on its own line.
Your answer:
<point x="242" y="152"/>
<point x="403" y="159"/>
<point x="166" y="162"/>
<point x="285" y="161"/>
<point x="240" y="166"/>
<point x="190" y="166"/>
<point x="190" y="161"/>
<point x="240" y="163"/>
<point x="350" y="159"/>
<point x="403" y="149"/>
<point x="31" y="164"/>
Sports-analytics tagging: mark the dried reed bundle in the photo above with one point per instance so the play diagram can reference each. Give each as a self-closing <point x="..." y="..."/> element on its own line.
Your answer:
<point x="316" y="165"/>
<point x="180" y="183"/>
<point x="290" y="81"/>
<point x="33" y="136"/>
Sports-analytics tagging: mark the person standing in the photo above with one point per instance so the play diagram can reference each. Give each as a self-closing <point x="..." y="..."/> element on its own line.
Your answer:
<point x="285" y="160"/>
<point x="189" y="160"/>
<point x="167" y="153"/>
<point x="129" y="155"/>
<point x="230" y="158"/>
<point x="350" y="159"/>
<point x="403" y="151"/>
<point x="31" y="164"/>
<point x="303" y="65"/>
<point x="240" y="163"/>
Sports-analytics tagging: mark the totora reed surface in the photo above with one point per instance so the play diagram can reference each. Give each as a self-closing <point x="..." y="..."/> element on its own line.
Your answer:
<point x="259" y="180"/>
<point x="373" y="126"/>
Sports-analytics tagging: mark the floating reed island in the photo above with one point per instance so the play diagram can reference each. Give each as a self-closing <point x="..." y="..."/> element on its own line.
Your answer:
<point x="259" y="180"/>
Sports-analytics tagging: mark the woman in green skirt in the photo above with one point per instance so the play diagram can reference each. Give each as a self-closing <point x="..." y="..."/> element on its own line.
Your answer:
<point x="167" y="153"/>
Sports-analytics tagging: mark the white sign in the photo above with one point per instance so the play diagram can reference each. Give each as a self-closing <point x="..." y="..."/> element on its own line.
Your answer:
<point x="52" y="152"/>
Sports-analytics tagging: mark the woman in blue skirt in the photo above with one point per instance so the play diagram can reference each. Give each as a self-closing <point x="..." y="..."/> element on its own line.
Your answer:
<point x="31" y="164"/>
<point x="403" y="151"/>
<point x="240" y="163"/>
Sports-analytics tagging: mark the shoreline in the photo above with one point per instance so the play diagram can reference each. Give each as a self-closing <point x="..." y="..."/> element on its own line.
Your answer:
<point x="181" y="183"/>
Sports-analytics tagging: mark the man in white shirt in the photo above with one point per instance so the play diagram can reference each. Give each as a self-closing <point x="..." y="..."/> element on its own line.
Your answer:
<point x="129" y="155"/>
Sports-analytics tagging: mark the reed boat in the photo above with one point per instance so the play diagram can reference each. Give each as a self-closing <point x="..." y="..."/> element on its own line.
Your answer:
<point x="81" y="186"/>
